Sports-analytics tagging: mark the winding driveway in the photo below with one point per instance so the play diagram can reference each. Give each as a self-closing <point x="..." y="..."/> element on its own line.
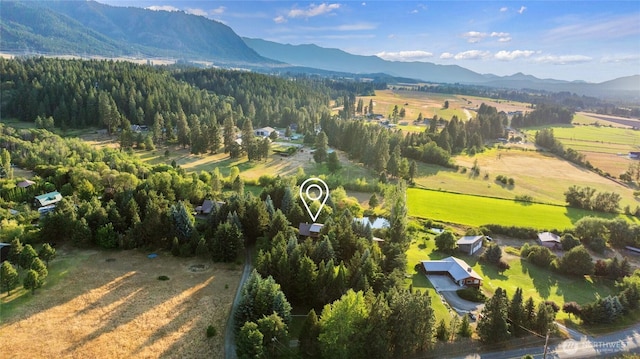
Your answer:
<point x="229" y="337"/>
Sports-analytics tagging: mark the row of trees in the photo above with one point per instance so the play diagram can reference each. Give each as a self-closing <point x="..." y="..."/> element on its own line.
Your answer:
<point x="34" y="270"/>
<point x="588" y="198"/>
<point x="502" y="318"/>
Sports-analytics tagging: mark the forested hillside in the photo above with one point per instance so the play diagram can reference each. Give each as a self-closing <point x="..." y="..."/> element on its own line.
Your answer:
<point x="78" y="94"/>
<point x="89" y="27"/>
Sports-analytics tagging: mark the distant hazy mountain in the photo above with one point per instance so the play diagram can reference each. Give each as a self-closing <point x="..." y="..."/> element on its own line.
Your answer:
<point x="88" y="27"/>
<point x="338" y="60"/>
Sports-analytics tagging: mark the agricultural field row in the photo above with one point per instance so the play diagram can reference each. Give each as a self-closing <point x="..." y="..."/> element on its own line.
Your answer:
<point x="476" y="211"/>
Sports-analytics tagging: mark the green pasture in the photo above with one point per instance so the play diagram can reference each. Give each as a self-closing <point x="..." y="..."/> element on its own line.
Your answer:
<point x="476" y="211"/>
<point x="419" y="250"/>
<point x="598" y="137"/>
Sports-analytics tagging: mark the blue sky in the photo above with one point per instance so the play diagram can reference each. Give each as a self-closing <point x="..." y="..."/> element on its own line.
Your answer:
<point x="570" y="40"/>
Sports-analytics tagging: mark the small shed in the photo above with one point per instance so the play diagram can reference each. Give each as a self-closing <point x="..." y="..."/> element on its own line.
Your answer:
<point x="265" y="131"/>
<point x="470" y="244"/>
<point x="25" y="183"/>
<point x="310" y="229"/>
<point x="549" y="240"/>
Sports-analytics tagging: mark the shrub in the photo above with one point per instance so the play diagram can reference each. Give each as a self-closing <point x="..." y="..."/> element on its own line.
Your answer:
<point x="211" y="331"/>
<point x="524" y="198"/>
<point x="513" y="231"/>
<point x="163" y="277"/>
<point x="472" y="295"/>
<point x="538" y="255"/>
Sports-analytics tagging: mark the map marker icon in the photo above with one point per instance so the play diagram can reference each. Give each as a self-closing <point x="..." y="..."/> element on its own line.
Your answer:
<point x="311" y="190"/>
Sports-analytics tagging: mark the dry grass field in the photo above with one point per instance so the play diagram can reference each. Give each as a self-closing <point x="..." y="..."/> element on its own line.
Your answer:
<point x="112" y="305"/>
<point x="543" y="176"/>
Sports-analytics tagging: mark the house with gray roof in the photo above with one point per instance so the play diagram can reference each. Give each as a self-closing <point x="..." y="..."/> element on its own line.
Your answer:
<point x="459" y="271"/>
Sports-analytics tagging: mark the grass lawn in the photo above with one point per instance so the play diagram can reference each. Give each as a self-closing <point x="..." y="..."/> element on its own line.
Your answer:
<point x="538" y="283"/>
<point x="419" y="250"/>
<point x="476" y="211"/>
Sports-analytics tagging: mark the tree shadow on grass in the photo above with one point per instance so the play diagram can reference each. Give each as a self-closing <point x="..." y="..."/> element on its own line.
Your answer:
<point x="584" y="290"/>
<point x="491" y="271"/>
<point x="542" y="279"/>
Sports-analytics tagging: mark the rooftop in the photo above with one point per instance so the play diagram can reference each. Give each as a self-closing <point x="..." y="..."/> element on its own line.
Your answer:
<point x="457" y="268"/>
<point x="548" y="237"/>
<point x="469" y="239"/>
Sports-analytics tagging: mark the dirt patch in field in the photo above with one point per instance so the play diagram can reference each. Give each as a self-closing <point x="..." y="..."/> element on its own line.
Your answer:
<point x="113" y="305"/>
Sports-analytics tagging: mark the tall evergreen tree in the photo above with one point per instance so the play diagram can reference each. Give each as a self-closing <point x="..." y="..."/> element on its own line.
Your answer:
<point x="493" y="326"/>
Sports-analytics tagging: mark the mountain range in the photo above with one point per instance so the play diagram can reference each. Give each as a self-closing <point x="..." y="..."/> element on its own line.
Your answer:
<point x="89" y="28"/>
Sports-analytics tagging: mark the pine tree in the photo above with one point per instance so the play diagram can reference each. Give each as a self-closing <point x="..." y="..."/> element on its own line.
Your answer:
<point x="493" y="326"/>
<point x="516" y="312"/>
<point x="8" y="277"/>
<point x="322" y="145"/>
<point x="31" y="281"/>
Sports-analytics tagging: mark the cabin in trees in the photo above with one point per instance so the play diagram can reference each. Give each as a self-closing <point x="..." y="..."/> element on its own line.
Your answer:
<point x="470" y="244"/>
<point x="207" y="206"/>
<point x="457" y="269"/>
<point x="47" y="199"/>
<point x="310" y="229"/>
<point x="4" y="251"/>
<point x="549" y="240"/>
<point x="265" y="131"/>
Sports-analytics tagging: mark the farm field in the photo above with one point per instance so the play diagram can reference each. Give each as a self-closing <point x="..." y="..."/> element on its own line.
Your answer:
<point x="428" y="104"/>
<point x="119" y="309"/>
<point x="542" y="176"/>
<point x="605" y="147"/>
<point x="476" y="211"/>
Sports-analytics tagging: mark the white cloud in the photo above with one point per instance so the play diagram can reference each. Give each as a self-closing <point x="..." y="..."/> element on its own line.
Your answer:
<point x="217" y="11"/>
<point x="163" y="8"/>
<point x="620" y="58"/>
<point x="412" y="55"/>
<point x="474" y="36"/>
<point x="471" y="55"/>
<point x="504" y="39"/>
<point x="446" y="55"/>
<point x="354" y="27"/>
<point x="504" y="9"/>
<point x="313" y="10"/>
<point x="198" y="12"/>
<point x="414" y="11"/>
<point x="522" y="9"/>
<point x="499" y="34"/>
<point x="512" y="55"/>
<point x="391" y="36"/>
<point x="563" y="59"/>
<point x="279" y="19"/>
<point x="364" y="4"/>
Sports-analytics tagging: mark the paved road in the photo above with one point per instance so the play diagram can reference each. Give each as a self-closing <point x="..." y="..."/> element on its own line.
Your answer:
<point x="229" y="337"/>
<point x="627" y="340"/>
